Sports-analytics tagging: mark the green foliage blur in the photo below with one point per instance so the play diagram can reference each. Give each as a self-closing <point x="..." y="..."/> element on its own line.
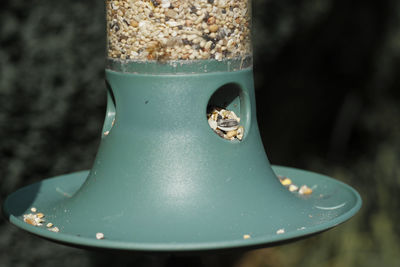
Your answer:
<point x="328" y="100"/>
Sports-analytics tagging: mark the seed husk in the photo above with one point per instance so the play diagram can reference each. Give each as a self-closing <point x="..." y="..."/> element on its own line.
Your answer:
<point x="305" y="190"/>
<point x="99" y="236"/>
<point x="240" y="132"/>
<point x="225" y="123"/>
<point x="231" y="134"/>
<point x="280" y="231"/>
<point x="213" y="124"/>
<point x="293" y="188"/>
<point x="246" y="236"/>
<point x="286" y="181"/>
<point x="54" y="229"/>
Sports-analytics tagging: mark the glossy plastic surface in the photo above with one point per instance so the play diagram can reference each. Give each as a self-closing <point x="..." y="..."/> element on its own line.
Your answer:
<point x="164" y="181"/>
<point x="331" y="203"/>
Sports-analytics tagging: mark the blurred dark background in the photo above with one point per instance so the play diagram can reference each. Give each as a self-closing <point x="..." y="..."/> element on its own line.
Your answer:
<point x="328" y="100"/>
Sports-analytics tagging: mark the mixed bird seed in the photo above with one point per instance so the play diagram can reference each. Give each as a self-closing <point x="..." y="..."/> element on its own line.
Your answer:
<point x="37" y="219"/>
<point x="225" y="123"/>
<point x="163" y="30"/>
<point x="287" y="182"/>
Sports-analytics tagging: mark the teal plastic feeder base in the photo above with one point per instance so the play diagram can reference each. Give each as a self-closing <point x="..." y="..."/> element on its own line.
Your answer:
<point x="164" y="181"/>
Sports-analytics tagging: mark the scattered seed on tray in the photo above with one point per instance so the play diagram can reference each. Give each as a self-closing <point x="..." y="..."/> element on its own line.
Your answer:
<point x="33" y="219"/>
<point x="293" y="188"/>
<point x="225" y="123"/>
<point x="287" y="182"/>
<point x="37" y="219"/>
<point x="161" y="30"/>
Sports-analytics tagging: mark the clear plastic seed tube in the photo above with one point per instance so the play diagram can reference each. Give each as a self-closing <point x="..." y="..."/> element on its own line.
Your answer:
<point x="176" y="33"/>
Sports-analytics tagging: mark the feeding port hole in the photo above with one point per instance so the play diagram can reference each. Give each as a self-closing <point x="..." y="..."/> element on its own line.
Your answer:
<point x="228" y="112"/>
<point x="109" y="120"/>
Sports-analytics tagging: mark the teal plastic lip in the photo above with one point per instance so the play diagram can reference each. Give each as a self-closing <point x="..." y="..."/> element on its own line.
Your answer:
<point x="180" y="66"/>
<point x="331" y="203"/>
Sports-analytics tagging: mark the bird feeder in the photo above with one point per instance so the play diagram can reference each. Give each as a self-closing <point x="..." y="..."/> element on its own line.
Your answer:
<point x="181" y="165"/>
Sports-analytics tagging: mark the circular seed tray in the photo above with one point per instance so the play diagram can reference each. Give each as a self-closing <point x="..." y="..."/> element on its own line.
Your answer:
<point x="331" y="203"/>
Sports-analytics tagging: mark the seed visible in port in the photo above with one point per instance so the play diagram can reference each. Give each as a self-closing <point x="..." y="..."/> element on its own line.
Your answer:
<point x="231" y="134"/>
<point x="240" y="132"/>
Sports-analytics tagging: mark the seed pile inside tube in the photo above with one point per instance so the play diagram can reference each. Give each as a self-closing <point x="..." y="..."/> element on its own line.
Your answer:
<point x="225" y="123"/>
<point x="287" y="182"/>
<point x="143" y="30"/>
